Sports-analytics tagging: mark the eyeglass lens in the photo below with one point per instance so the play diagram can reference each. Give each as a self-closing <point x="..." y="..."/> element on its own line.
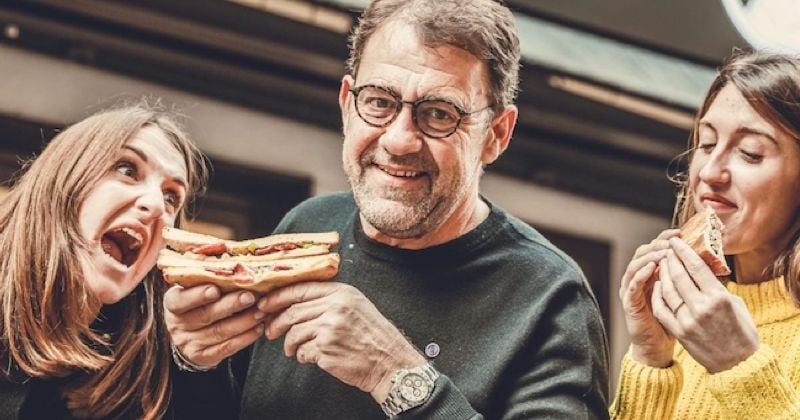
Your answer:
<point x="379" y="107"/>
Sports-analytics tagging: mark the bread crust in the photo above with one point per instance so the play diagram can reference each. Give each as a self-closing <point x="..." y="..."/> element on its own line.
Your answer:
<point x="703" y="232"/>
<point x="192" y="272"/>
<point x="180" y="240"/>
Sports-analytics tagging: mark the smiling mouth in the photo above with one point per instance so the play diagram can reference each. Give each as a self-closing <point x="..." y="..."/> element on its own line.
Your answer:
<point x="123" y="245"/>
<point x="401" y="174"/>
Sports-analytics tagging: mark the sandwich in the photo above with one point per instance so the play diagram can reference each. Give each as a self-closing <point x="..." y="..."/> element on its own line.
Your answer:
<point x="258" y="265"/>
<point x="703" y="232"/>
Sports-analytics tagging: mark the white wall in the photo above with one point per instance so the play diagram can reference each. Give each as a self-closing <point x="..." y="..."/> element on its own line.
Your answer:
<point x="41" y="88"/>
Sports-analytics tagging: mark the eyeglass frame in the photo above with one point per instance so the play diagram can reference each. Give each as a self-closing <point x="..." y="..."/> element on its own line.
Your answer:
<point x="414" y="105"/>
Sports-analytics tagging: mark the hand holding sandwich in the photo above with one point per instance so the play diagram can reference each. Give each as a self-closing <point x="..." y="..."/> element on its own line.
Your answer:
<point x="713" y="325"/>
<point x="651" y="344"/>
<point x="336" y="327"/>
<point x="210" y="313"/>
<point x="207" y="327"/>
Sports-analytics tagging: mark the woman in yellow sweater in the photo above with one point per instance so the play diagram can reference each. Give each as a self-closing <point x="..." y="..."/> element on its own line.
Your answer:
<point x="729" y="348"/>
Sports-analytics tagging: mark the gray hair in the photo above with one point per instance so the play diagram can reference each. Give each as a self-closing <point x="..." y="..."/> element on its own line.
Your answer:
<point x="484" y="28"/>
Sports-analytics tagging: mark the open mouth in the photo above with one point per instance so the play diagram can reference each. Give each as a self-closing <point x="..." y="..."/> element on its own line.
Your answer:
<point x="123" y="245"/>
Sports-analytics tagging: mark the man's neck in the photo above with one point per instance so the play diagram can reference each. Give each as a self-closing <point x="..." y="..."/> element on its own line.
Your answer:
<point x="463" y="220"/>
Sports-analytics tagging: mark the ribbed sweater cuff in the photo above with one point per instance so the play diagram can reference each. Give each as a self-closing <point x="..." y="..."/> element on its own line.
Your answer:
<point x="755" y="388"/>
<point x="646" y="392"/>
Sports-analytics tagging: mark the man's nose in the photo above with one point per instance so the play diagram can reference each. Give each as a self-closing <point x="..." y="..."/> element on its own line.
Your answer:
<point x="402" y="136"/>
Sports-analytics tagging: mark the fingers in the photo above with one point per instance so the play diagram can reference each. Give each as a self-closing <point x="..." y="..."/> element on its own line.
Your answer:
<point x="667" y="234"/>
<point x="633" y="295"/>
<point x="669" y="293"/>
<point x="684" y="282"/>
<point x="657" y="244"/>
<point x="636" y="265"/>
<point x="210" y="345"/>
<point x="214" y="354"/>
<point x="297" y="336"/>
<point x="179" y="300"/>
<point x="221" y="331"/>
<point x="290" y="317"/>
<point x="280" y="299"/>
<point x="202" y="316"/>
<point x="695" y="266"/>
<point x="308" y="353"/>
<point x="662" y="312"/>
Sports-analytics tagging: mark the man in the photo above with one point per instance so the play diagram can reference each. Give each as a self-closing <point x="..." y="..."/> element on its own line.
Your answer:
<point x="445" y="306"/>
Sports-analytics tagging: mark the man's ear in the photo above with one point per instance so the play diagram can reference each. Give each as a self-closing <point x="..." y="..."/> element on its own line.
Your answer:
<point x="344" y="96"/>
<point x="499" y="134"/>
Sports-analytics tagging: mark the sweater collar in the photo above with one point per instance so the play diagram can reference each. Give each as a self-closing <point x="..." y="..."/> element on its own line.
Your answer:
<point x="456" y="251"/>
<point x="768" y="301"/>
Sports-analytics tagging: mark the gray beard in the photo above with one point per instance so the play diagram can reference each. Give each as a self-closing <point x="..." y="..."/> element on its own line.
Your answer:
<point x="398" y="214"/>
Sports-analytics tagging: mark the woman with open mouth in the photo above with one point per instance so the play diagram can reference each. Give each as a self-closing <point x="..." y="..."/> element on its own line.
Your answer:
<point x="82" y="325"/>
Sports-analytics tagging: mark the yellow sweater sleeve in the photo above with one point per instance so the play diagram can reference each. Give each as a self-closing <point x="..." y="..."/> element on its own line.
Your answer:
<point x="645" y="392"/>
<point x="756" y="389"/>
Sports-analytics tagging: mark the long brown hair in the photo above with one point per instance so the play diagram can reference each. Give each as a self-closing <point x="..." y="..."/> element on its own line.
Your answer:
<point x="771" y="84"/>
<point x="45" y="325"/>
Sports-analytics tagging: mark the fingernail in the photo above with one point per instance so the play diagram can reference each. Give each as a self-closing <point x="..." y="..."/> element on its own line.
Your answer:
<point x="259" y="315"/>
<point x="260" y="329"/>
<point x="211" y="293"/>
<point x="261" y="304"/>
<point x="247" y="299"/>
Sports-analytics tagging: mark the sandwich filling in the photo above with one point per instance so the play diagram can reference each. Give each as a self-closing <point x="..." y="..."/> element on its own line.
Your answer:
<point x="242" y="274"/>
<point x="715" y="235"/>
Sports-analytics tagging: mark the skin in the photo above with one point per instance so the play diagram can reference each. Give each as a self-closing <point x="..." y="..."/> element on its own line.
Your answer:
<point x="143" y="191"/>
<point x="745" y="169"/>
<point x="333" y="325"/>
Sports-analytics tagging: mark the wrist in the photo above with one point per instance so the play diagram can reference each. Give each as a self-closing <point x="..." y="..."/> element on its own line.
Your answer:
<point x="387" y="373"/>
<point x="713" y="368"/>
<point x="185" y="364"/>
<point x="411" y="388"/>
<point x="654" y="358"/>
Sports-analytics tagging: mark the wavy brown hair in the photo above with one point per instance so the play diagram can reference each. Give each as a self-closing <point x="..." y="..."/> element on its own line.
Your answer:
<point x="771" y="84"/>
<point x="46" y="317"/>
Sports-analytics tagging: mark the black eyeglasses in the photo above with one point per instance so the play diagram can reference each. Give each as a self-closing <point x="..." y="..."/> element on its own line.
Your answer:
<point x="436" y="118"/>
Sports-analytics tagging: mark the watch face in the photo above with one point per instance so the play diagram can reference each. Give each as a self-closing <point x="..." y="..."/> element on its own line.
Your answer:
<point x="414" y="388"/>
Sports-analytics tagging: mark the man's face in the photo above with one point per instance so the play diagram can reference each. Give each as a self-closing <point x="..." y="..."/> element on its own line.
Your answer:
<point x="405" y="183"/>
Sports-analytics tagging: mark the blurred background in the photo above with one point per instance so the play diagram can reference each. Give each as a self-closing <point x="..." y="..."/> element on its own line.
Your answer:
<point x="608" y="93"/>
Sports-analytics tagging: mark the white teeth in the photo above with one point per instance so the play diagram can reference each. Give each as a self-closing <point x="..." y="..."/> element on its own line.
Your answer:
<point x="400" y="173"/>
<point x="135" y="235"/>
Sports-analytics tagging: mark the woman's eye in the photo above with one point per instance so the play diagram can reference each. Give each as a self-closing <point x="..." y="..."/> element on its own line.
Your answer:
<point x="706" y="147"/>
<point x="172" y="199"/>
<point x="750" y="156"/>
<point x="126" y="168"/>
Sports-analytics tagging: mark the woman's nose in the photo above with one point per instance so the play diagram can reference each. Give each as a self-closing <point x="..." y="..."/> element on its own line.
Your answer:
<point x="715" y="169"/>
<point x="150" y="203"/>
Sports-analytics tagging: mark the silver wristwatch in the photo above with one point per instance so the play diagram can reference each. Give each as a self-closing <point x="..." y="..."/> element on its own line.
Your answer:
<point x="410" y="388"/>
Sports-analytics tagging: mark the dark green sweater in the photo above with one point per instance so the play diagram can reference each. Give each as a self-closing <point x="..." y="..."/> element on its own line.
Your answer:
<point x="519" y="332"/>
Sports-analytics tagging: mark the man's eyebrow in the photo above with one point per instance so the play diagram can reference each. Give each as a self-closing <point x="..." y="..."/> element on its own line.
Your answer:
<point x="177" y="179"/>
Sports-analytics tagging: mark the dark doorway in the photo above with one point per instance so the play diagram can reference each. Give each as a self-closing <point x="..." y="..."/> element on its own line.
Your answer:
<point x="593" y="257"/>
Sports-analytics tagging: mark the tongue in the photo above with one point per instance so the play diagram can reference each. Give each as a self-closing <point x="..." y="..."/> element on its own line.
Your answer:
<point x="111" y="248"/>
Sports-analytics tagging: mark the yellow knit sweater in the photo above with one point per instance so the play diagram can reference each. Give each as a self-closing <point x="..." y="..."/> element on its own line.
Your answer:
<point x="765" y="386"/>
